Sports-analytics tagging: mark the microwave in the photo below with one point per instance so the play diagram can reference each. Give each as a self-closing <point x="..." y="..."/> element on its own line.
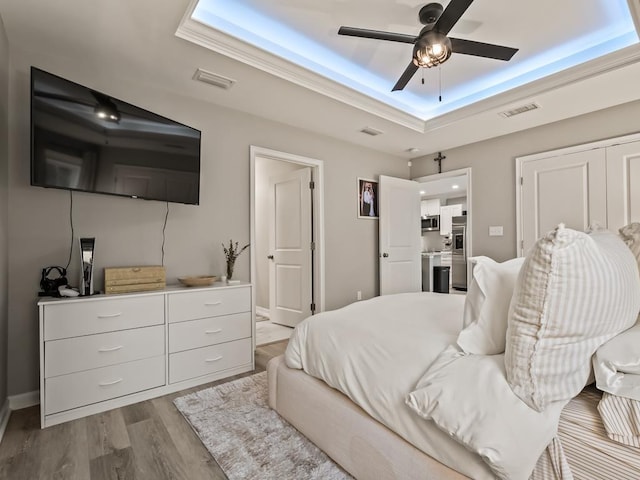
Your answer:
<point x="431" y="222"/>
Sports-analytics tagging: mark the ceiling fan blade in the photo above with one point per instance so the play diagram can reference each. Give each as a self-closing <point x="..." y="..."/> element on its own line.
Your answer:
<point x="451" y="15"/>
<point x="405" y="77"/>
<point x="479" y="49"/>
<point x="377" y="35"/>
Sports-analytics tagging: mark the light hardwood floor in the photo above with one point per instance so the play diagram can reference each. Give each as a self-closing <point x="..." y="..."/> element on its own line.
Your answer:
<point x="147" y="440"/>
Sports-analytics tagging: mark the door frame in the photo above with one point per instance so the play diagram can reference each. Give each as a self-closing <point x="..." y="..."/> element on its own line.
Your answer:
<point x="317" y="169"/>
<point x="457" y="173"/>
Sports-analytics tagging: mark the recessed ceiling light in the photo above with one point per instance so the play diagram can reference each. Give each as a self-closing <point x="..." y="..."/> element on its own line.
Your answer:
<point x="412" y="150"/>
<point x="422" y="192"/>
<point x="455" y="187"/>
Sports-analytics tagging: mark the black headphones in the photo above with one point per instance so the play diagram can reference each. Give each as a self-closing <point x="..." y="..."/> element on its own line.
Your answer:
<point x="50" y="285"/>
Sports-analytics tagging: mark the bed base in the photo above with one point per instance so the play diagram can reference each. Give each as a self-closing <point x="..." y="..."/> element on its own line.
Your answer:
<point x="361" y="445"/>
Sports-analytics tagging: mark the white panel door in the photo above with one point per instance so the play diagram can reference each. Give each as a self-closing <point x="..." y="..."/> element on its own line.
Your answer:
<point x="290" y="287"/>
<point x="623" y="185"/>
<point x="399" y="231"/>
<point x="569" y="189"/>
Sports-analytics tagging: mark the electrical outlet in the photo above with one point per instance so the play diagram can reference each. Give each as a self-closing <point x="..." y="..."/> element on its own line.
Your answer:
<point x="496" y="231"/>
<point x="358" y="295"/>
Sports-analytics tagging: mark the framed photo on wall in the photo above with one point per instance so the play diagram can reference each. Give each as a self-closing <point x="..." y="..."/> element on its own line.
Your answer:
<point x="367" y="198"/>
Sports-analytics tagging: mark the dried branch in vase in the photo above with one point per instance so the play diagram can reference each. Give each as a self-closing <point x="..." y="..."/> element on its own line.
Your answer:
<point x="232" y="253"/>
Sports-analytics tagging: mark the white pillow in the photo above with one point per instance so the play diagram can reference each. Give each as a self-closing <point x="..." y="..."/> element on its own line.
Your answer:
<point x="468" y="397"/>
<point x="575" y="292"/>
<point x="486" y="307"/>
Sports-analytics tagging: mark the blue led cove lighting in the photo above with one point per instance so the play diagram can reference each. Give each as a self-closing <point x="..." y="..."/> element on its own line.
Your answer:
<point x="237" y="19"/>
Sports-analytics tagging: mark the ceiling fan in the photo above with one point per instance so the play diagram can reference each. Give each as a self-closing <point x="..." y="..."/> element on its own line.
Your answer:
<point x="432" y="47"/>
<point x="103" y="107"/>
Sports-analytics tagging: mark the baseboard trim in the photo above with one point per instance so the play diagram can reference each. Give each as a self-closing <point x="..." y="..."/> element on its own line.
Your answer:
<point x="5" y="413"/>
<point x="24" y="400"/>
<point x="264" y="312"/>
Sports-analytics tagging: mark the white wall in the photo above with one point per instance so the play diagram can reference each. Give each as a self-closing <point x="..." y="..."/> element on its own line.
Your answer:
<point x="432" y="241"/>
<point x="4" y="200"/>
<point x="265" y="168"/>
<point x="493" y="163"/>
<point x="129" y="232"/>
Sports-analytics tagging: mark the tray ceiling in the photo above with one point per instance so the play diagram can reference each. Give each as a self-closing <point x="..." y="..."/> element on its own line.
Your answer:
<point x="297" y="40"/>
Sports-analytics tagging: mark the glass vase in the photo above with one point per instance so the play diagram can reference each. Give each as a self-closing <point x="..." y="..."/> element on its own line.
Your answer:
<point x="230" y="265"/>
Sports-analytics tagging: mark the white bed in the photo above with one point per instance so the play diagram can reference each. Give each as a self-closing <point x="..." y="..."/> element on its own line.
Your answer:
<point x="375" y="352"/>
<point x="422" y="397"/>
<point x="368" y="356"/>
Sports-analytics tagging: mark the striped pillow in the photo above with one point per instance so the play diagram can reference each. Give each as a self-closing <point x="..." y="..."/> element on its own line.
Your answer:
<point x="574" y="292"/>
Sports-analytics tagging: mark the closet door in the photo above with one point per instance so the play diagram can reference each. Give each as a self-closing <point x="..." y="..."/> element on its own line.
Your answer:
<point x="623" y="185"/>
<point x="569" y="189"/>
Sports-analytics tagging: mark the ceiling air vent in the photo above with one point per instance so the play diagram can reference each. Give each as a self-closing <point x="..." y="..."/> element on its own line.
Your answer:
<point x="518" y="110"/>
<point x="213" y="79"/>
<point x="371" y="131"/>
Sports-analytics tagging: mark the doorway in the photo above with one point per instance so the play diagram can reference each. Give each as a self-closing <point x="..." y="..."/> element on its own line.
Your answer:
<point x="287" y="268"/>
<point x="448" y="196"/>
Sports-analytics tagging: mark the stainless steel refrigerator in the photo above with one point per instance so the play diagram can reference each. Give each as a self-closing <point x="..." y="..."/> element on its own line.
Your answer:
<point x="459" y="252"/>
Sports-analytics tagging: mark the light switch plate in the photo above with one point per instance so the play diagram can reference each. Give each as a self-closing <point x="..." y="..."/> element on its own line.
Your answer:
<point x="495" y="231"/>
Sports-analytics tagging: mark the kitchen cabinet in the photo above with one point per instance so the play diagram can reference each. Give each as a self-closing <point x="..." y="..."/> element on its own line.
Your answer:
<point x="430" y="207"/>
<point x="446" y="215"/>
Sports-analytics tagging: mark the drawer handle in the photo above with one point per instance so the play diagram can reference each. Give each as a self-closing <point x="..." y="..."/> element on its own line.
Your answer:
<point x="106" y="384"/>
<point x="209" y="360"/>
<point x="112" y="349"/>
<point x="213" y="304"/>
<point x="110" y="315"/>
<point x="209" y="332"/>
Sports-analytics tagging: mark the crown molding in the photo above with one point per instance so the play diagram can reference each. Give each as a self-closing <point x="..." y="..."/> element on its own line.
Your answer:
<point x="200" y="34"/>
<point x="220" y="42"/>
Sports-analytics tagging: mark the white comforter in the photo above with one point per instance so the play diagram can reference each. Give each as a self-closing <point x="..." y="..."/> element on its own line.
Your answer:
<point x="617" y="370"/>
<point x="354" y="350"/>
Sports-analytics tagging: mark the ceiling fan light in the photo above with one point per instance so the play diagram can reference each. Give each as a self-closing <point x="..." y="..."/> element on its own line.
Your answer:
<point x="107" y="111"/>
<point x="431" y="50"/>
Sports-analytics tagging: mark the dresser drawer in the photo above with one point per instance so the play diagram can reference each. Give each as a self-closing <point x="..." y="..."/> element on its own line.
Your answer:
<point x="208" y="331"/>
<point x="83" y="388"/>
<point x="207" y="360"/>
<point x="84" y="317"/>
<point x="102" y="349"/>
<point x="208" y="303"/>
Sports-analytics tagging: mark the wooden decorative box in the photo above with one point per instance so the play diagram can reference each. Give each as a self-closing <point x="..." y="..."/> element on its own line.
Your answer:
<point x="134" y="279"/>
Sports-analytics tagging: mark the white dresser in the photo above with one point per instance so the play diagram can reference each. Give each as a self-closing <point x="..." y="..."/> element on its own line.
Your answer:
<point x="106" y="351"/>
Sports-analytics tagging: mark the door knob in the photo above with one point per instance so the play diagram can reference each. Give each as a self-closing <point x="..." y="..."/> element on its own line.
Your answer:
<point x="270" y="257"/>
<point x="385" y="255"/>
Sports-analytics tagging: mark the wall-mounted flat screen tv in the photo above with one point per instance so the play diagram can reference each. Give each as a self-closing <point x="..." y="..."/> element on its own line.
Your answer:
<point x="82" y="139"/>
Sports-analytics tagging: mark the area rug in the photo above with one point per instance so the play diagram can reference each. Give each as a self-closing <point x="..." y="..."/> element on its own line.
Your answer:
<point x="248" y="439"/>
